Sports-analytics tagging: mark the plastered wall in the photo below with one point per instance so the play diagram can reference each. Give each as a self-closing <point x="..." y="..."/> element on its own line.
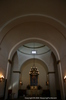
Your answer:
<point x="24" y="67"/>
<point x="25" y="77"/>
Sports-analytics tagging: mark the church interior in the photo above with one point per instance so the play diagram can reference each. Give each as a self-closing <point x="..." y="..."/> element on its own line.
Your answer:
<point x="32" y="49"/>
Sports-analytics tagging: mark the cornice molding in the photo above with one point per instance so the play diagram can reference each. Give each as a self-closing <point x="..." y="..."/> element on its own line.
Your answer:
<point x="51" y="73"/>
<point x="16" y="72"/>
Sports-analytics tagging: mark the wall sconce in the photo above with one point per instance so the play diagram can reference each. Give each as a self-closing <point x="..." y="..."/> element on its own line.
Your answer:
<point x="21" y="83"/>
<point x="2" y="78"/>
<point x="47" y="83"/>
<point x="64" y="78"/>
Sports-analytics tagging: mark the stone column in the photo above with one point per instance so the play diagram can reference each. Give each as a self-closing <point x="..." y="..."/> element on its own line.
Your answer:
<point x="58" y="65"/>
<point x="52" y="85"/>
<point x="65" y="88"/>
<point x="7" y="80"/>
<point x="61" y="80"/>
<point x="15" y="83"/>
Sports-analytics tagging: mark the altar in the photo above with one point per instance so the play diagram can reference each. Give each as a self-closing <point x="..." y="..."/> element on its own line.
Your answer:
<point x="34" y="91"/>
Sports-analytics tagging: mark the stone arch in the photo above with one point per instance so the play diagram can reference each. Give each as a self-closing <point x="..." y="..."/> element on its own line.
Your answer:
<point x="39" y="40"/>
<point x="37" y="62"/>
<point x="36" y="59"/>
<point x="55" y="23"/>
<point x="55" y="51"/>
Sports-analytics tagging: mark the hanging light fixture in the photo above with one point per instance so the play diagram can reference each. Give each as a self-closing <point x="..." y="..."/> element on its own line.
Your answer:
<point x="34" y="70"/>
